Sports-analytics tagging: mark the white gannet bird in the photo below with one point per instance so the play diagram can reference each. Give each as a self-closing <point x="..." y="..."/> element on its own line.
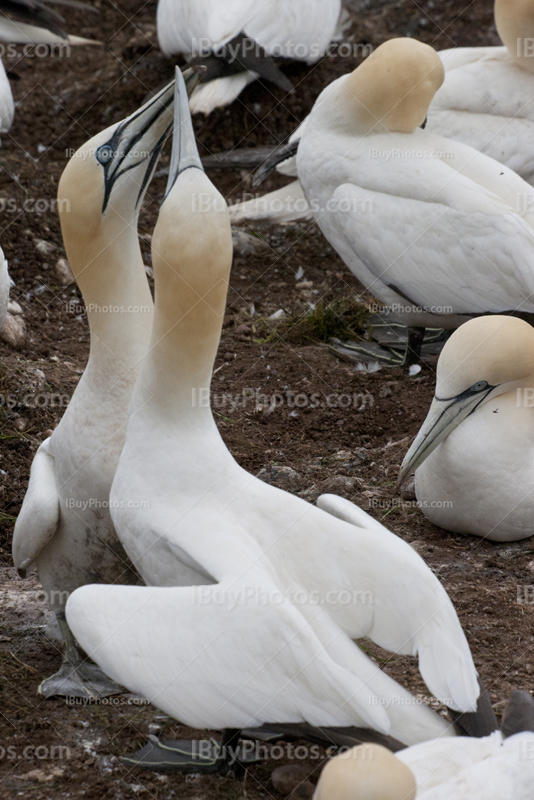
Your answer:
<point x="474" y="454"/>
<point x="495" y="767"/>
<point x="255" y="596"/>
<point x="487" y="98"/>
<point x="47" y="30"/>
<point x="64" y="527"/>
<point x="431" y="227"/>
<point x="238" y="41"/>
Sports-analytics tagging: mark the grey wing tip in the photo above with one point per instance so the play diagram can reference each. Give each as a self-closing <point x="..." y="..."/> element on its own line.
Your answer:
<point x="477" y="723"/>
<point x="518" y="716"/>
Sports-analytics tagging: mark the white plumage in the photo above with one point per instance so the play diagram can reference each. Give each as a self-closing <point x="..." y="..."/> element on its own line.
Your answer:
<point x="434" y="229"/>
<point x="487" y="98"/>
<point x="296" y="29"/>
<point x="4" y="287"/>
<point x="256" y="595"/>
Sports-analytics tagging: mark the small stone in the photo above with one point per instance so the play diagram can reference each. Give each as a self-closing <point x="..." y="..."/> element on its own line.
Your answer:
<point x="64" y="272"/>
<point x="283" y="475"/>
<point x="228" y="356"/>
<point x="304" y="285"/>
<point x="44" y="247"/>
<point x="13" y="330"/>
<point x="243" y="329"/>
<point x="20" y="424"/>
<point x="247" y="245"/>
<point x="288" y="778"/>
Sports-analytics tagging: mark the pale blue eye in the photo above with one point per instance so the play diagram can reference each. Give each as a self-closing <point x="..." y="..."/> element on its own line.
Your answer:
<point x="104" y="154"/>
<point x="480" y="386"/>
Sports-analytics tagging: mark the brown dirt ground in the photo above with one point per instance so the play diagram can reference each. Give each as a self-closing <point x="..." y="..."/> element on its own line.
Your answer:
<point x="356" y="453"/>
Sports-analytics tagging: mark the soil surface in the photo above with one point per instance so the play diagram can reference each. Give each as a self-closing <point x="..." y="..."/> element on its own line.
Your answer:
<point x="52" y="749"/>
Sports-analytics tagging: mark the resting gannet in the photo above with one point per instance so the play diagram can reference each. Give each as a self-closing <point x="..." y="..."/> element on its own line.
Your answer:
<point x="243" y="622"/>
<point x="487" y="98"/>
<point x="64" y="527"/>
<point x="492" y="768"/>
<point x="434" y="229"/>
<point x="238" y="41"/>
<point x="474" y="454"/>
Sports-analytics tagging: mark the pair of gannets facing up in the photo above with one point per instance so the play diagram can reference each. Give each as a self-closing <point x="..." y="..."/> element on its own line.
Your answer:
<point x="487" y="98"/>
<point x="254" y="596"/>
<point x="432" y="228"/>
<point x="474" y="454"/>
<point x="496" y="767"/>
<point x="238" y="40"/>
<point x="46" y="30"/>
<point x="64" y="527"/>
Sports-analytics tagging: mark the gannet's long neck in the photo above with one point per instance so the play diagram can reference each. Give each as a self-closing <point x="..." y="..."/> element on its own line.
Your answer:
<point x="514" y="20"/>
<point x="192" y="256"/>
<point x="110" y="273"/>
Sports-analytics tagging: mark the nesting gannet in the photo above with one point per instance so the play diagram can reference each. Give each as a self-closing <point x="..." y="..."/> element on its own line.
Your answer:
<point x="474" y="454"/>
<point x="64" y="526"/>
<point x="492" y="768"/>
<point x="434" y="229"/>
<point x="487" y="98"/>
<point x="239" y="40"/>
<point x="254" y="595"/>
<point x="47" y="30"/>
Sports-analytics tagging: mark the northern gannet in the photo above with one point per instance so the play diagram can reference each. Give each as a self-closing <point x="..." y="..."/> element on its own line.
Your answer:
<point x="47" y="30"/>
<point x="64" y="527"/>
<point x="431" y="227"/>
<point x="254" y="596"/>
<point x="474" y="454"/>
<point x="487" y="98"/>
<point x="495" y="767"/>
<point x="238" y="40"/>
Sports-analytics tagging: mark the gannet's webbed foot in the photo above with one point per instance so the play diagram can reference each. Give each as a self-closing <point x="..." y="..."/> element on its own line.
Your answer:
<point x="200" y="755"/>
<point x="77" y="676"/>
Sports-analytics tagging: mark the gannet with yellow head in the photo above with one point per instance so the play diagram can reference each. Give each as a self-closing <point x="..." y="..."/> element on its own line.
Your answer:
<point x="434" y="229"/>
<point x="491" y="768"/>
<point x="474" y="454"/>
<point x="64" y="527"/>
<point x="241" y="623"/>
<point x="487" y="99"/>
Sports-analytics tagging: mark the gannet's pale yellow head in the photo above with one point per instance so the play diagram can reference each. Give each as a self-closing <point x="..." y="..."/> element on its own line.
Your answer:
<point x="484" y="358"/>
<point x="367" y="772"/>
<point x="514" y="20"/>
<point x="102" y="187"/>
<point x="192" y="257"/>
<point x="394" y="86"/>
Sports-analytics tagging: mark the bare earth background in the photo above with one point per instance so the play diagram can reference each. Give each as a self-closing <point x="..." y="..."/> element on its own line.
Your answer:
<point x="49" y="749"/>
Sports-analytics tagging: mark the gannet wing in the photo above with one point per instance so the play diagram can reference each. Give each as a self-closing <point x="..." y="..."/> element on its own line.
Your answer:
<point x="447" y="245"/>
<point x="219" y="656"/>
<point x="39" y="516"/>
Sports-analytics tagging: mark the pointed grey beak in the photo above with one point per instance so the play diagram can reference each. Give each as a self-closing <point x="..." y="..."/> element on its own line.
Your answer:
<point x="443" y="417"/>
<point x="141" y="136"/>
<point x="184" y="147"/>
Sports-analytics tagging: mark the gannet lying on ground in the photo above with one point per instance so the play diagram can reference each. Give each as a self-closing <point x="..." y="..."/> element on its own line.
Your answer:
<point x="47" y="30"/>
<point x="238" y="40"/>
<point x="493" y="768"/>
<point x="64" y="526"/>
<point x="487" y="98"/>
<point x="474" y="454"/>
<point x="432" y="228"/>
<point x="255" y="596"/>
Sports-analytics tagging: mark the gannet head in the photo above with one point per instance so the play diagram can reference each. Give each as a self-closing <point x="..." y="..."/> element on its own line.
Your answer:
<point x="484" y="358"/>
<point x="392" y="89"/>
<point x="102" y="187"/>
<point x="192" y="241"/>
<point x="514" y="20"/>
<point x="367" y="772"/>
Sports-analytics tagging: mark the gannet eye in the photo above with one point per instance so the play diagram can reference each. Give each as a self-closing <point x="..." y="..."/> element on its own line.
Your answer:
<point x="104" y="154"/>
<point x="480" y="386"/>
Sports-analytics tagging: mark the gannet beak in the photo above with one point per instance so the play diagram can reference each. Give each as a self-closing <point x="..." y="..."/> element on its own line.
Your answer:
<point x="184" y="146"/>
<point x="443" y="417"/>
<point x="139" y="138"/>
